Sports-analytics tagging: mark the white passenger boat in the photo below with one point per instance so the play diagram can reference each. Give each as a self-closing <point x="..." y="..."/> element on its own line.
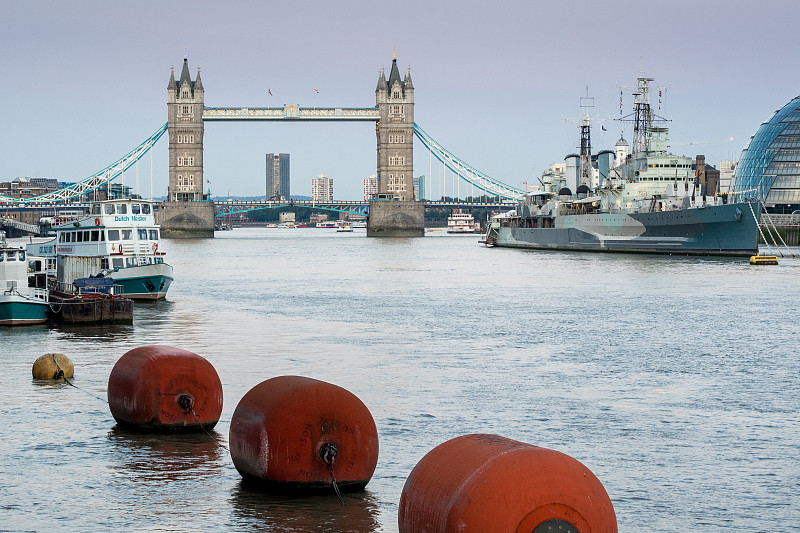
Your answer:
<point x="119" y="239"/>
<point x="20" y="303"/>
<point x="459" y="222"/>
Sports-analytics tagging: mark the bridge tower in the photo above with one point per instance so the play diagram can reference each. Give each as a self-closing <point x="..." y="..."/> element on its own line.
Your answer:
<point x="394" y="212"/>
<point x="185" y="129"/>
<point x="185" y="213"/>
<point x="395" y="130"/>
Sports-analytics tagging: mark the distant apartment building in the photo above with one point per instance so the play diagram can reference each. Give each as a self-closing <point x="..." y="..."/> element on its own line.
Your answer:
<point x="726" y="170"/>
<point x="28" y="187"/>
<point x="317" y="217"/>
<point x="419" y="187"/>
<point x="370" y="186"/>
<point x="322" y="189"/>
<point x="278" y="176"/>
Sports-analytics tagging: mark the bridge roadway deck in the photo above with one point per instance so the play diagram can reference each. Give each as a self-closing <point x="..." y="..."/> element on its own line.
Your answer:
<point x="229" y="207"/>
<point x="292" y="112"/>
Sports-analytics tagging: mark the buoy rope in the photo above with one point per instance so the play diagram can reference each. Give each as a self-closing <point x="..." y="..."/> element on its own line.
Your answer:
<point x="60" y="374"/>
<point x="327" y="453"/>
<point x="215" y="439"/>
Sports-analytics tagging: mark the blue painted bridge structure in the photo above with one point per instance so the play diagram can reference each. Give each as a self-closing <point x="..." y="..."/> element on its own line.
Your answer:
<point x="233" y="207"/>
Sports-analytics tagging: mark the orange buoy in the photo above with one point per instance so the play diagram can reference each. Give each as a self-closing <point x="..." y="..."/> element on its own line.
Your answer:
<point x="164" y="389"/>
<point x="297" y="433"/>
<point x="479" y="483"/>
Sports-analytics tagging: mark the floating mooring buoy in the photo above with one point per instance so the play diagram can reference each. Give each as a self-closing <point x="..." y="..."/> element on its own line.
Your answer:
<point x="480" y="483"/>
<point x="53" y="366"/>
<point x="300" y="434"/>
<point x="164" y="389"/>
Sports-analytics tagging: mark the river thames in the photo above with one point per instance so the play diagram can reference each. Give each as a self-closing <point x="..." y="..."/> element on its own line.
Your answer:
<point x="675" y="380"/>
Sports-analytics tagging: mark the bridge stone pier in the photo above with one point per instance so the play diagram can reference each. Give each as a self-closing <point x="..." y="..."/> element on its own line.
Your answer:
<point x="394" y="212"/>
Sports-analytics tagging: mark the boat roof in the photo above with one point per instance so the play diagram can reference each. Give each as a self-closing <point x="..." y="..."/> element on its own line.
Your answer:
<point x="126" y="200"/>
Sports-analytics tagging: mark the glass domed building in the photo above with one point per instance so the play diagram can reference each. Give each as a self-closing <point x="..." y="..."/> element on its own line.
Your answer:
<point x="769" y="167"/>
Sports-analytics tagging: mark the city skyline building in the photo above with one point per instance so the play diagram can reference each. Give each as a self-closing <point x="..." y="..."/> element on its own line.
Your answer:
<point x="370" y="187"/>
<point x="322" y="189"/>
<point x="278" y="177"/>
<point x="769" y="167"/>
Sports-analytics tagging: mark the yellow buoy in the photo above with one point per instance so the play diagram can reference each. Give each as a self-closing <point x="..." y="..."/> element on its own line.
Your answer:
<point x="53" y="366"/>
<point x="764" y="260"/>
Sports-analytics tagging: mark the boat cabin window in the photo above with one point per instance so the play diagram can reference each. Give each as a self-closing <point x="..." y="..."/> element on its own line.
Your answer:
<point x="130" y="261"/>
<point x="127" y="234"/>
<point x="96" y="209"/>
<point x="104" y="263"/>
<point x="117" y="262"/>
<point x="134" y="209"/>
<point x="145" y="209"/>
<point x="122" y="209"/>
<point x="79" y="235"/>
<point x="113" y="235"/>
<point x="109" y="209"/>
<point x="95" y="235"/>
<point x="142" y="234"/>
<point x="12" y="256"/>
<point x="153" y="234"/>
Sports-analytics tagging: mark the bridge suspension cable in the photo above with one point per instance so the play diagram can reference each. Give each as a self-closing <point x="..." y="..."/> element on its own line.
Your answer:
<point x="474" y="176"/>
<point x="96" y="180"/>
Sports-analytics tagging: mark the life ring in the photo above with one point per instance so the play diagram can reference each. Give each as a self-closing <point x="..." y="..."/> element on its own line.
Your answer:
<point x="96" y="221"/>
<point x="155" y="247"/>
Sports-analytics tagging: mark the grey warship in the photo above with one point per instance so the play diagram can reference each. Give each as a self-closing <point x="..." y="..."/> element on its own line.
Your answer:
<point x="648" y="201"/>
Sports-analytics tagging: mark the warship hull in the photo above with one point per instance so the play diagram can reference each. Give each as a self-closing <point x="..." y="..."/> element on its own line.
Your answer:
<point x="728" y="229"/>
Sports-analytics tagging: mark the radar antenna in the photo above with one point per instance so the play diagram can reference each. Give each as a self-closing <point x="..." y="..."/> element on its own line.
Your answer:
<point x="643" y="115"/>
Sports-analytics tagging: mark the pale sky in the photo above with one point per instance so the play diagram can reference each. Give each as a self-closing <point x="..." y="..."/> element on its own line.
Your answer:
<point x="84" y="82"/>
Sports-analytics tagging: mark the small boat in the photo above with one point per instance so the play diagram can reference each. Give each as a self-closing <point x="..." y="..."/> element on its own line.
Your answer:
<point x="345" y="228"/>
<point x="460" y="222"/>
<point x="326" y="224"/>
<point x="94" y="300"/>
<point x="119" y="239"/>
<point x="762" y="259"/>
<point x="22" y="302"/>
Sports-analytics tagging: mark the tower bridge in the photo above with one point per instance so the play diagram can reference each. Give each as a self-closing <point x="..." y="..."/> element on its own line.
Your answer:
<point x="188" y="212"/>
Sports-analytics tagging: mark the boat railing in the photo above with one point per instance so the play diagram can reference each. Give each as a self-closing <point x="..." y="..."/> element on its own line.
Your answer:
<point x="41" y="294"/>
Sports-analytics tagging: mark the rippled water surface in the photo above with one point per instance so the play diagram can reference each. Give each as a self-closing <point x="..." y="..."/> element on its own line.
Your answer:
<point x="675" y="380"/>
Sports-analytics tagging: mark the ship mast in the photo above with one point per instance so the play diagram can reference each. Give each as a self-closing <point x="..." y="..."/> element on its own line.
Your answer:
<point x="585" y="172"/>
<point x="642" y="115"/>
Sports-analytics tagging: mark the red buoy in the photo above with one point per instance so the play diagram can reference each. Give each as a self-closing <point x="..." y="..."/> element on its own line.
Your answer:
<point x="164" y="388"/>
<point x="479" y="483"/>
<point x="297" y="433"/>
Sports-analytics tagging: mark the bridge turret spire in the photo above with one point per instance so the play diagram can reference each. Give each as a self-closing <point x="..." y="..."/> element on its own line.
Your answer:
<point x="394" y="76"/>
<point x="185" y="77"/>
<point x="198" y="85"/>
<point x="172" y="85"/>
<point x="382" y="85"/>
<point x="407" y="81"/>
